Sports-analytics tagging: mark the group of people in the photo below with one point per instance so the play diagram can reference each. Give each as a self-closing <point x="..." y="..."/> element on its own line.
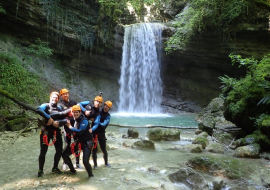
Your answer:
<point x="75" y="118"/>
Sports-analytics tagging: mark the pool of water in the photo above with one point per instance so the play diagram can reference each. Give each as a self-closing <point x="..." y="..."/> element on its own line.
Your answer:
<point x="162" y="120"/>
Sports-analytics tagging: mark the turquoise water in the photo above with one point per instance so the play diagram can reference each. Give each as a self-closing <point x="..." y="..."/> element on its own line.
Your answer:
<point x="166" y="120"/>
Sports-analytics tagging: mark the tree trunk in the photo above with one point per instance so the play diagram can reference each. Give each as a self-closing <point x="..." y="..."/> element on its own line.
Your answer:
<point x="9" y="96"/>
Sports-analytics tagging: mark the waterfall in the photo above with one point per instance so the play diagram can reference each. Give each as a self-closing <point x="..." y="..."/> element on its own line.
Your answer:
<point x="140" y="83"/>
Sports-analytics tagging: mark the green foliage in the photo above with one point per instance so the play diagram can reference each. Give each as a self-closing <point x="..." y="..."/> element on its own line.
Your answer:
<point x="15" y="79"/>
<point x="2" y="10"/>
<point x="224" y="16"/>
<point x="253" y="88"/>
<point x="40" y="49"/>
<point x="227" y="86"/>
<point x="247" y="99"/>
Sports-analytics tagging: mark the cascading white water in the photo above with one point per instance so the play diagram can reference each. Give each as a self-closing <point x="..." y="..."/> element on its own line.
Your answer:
<point x="140" y="83"/>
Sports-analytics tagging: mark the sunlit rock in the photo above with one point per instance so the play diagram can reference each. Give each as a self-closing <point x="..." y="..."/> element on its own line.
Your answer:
<point x="193" y="148"/>
<point x="155" y="134"/>
<point x="144" y="145"/>
<point x="215" y="148"/>
<point x="249" y="151"/>
<point x="202" y="141"/>
<point x="171" y="135"/>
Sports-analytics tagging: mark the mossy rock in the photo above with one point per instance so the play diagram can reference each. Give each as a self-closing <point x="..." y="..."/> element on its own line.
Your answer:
<point x="133" y="133"/>
<point x="17" y="124"/>
<point x="215" y="148"/>
<point x="223" y="137"/>
<point x="227" y="167"/>
<point x="155" y="134"/>
<point x="171" y="135"/>
<point x="188" y="177"/>
<point x="194" y="148"/>
<point x="203" y="134"/>
<point x="202" y="141"/>
<point x="144" y="145"/>
<point x="249" y="151"/>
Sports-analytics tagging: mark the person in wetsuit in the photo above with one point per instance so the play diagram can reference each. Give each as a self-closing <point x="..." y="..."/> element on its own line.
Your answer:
<point x="66" y="104"/>
<point x="81" y="128"/>
<point x="50" y="130"/>
<point x="91" y="110"/>
<point x="103" y="121"/>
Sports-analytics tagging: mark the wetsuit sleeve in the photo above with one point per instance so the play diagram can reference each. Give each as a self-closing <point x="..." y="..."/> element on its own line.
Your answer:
<point x="41" y="111"/>
<point x="83" y="104"/>
<point x="106" y="121"/>
<point x="96" y="123"/>
<point x="82" y="127"/>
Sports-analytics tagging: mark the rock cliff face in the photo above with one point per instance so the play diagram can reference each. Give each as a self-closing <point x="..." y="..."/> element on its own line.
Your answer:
<point x="190" y="78"/>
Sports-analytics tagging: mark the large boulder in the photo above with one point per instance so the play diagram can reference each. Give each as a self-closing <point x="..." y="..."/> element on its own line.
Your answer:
<point x="208" y="125"/>
<point x="190" y="178"/>
<point x="249" y="151"/>
<point x="144" y="145"/>
<point x="133" y="133"/>
<point x="193" y="148"/>
<point x="171" y="135"/>
<point x="215" y="148"/>
<point x="155" y="134"/>
<point x="202" y="141"/>
<point x="223" y="137"/>
<point x="213" y="110"/>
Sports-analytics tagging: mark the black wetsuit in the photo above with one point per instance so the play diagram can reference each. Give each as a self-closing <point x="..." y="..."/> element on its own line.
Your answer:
<point x="100" y="132"/>
<point x="94" y="112"/>
<point x="45" y="110"/>
<point x="81" y="128"/>
<point x="68" y="133"/>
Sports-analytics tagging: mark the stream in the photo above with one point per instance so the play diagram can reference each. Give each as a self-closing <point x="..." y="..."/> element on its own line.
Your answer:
<point x="131" y="168"/>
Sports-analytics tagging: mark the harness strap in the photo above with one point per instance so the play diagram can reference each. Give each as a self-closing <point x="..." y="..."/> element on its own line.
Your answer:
<point x="45" y="139"/>
<point x="95" y="140"/>
<point x="72" y="146"/>
<point x="70" y="136"/>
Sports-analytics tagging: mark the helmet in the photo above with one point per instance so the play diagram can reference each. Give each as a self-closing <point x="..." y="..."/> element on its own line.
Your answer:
<point x="76" y="108"/>
<point x="109" y="103"/>
<point x="63" y="91"/>
<point x="98" y="98"/>
<point x="54" y="93"/>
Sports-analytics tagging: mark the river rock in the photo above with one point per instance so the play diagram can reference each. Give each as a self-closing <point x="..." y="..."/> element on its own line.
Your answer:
<point x="208" y="125"/>
<point x="171" y="135"/>
<point x="218" y="184"/>
<point x="188" y="177"/>
<point x="133" y="133"/>
<point x="249" y="151"/>
<point x="223" y="137"/>
<point x="198" y="131"/>
<point x="194" y="148"/>
<point x="144" y="145"/>
<point x="203" y="134"/>
<point x="244" y="141"/>
<point x="155" y="134"/>
<point x="202" y="141"/>
<point x="127" y="143"/>
<point x="215" y="148"/>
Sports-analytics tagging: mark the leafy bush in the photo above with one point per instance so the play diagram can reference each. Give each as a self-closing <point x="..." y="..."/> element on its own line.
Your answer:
<point x="16" y="80"/>
<point x="40" y="49"/>
<point x="247" y="100"/>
